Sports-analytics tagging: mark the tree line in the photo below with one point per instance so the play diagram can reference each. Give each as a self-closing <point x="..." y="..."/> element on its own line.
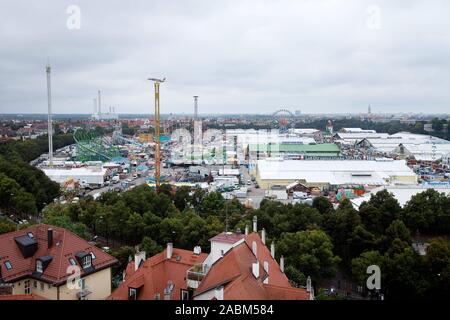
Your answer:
<point x="24" y="188"/>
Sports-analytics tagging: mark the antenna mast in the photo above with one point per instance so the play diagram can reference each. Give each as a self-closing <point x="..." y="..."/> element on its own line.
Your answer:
<point x="50" y="120"/>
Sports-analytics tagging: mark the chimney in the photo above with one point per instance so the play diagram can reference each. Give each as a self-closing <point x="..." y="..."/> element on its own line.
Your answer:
<point x="254" y="248"/>
<point x="255" y="224"/>
<point x="246" y="230"/>
<point x="255" y="269"/>
<point x="197" y="250"/>
<point x="272" y="250"/>
<point x="266" y="269"/>
<point x="263" y="236"/>
<point x="282" y="264"/>
<point x="218" y="293"/>
<point x="139" y="257"/>
<point x="169" y="250"/>
<point x="49" y="237"/>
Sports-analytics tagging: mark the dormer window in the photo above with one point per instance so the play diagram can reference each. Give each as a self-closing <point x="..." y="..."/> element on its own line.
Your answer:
<point x="42" y="263"/>
<point x="132" y="294"/>
<point x="84" y="260"/>
<point x="87" y="261"/>
<point x="8" y="265"/>
<point x="72" y="261"/>
<point x="39" y="267"/>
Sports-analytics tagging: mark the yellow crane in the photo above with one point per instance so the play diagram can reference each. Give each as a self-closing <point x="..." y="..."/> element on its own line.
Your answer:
<point x="157" y="82"/>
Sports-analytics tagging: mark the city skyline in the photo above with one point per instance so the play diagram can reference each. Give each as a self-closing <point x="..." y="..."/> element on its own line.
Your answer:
<point x="238" y="57"/>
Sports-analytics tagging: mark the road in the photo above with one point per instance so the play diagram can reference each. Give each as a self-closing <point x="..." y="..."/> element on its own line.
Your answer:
<point x="255" y="194"/>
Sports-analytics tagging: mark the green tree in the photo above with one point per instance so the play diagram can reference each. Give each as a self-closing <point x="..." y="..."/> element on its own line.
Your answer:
<point x="6" y="226"/>
<point x="181" y="198"/>
<point x="135" y="227"/>
<point x="150" y="247"/>
<point x="310" y="252"/>
<point x="322" y="204"/>
<point x="437" y="264"/>
<point x="64" y="221"/>
<point x="388" y="207"/>
<point x="361" y="263"/>
<point x="428" y="212"/>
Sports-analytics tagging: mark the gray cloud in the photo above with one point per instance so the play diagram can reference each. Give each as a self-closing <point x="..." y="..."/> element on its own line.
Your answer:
<point x="238" y="56"/>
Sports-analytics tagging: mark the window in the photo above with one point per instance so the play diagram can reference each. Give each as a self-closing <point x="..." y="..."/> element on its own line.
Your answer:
<point x="72" y="261"/>
<point x="27" y="287"/>
<point x="39" y="267"/>
<point x="93" y="255"/>
<point x="222" y="253"/>
<point x="132" y="294"/>
<point x="87" y="261"/>
<point x="184" y="295"/>
<point x="30" y="234"/>
<point x="82" y="284"/>
<point x="157" y="296"/>
<point x="8" y="265"/>
<point x="42" y="286"/>
<point x="35" y="283"/>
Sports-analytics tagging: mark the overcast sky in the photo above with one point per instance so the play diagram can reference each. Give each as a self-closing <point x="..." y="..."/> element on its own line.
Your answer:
<point x="238" y="56"/>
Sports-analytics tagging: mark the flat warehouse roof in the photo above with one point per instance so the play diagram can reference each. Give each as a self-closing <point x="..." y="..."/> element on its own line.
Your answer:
<point x="333" y="171"/>
<point x="74" y="172"/>
<point x="282" y="147"/>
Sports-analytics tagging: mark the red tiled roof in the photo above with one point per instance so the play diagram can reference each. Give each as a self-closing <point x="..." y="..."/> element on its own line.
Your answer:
<point x="153" y="275"/>
<point x="227" y="237"/>
<point x="65" y="246"/>
<point x="234" y="272"/>
<point x="21" y="297"/>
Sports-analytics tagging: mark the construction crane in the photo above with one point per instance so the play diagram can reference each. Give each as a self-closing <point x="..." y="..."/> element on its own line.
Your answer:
<point x="157" y="82"/>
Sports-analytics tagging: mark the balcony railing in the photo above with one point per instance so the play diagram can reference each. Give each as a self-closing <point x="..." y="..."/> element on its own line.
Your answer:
<point x="197" y="272"/>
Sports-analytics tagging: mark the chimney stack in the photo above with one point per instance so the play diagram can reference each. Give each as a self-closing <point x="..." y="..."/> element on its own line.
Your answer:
<point x="49" y="238"/>
<point x="255" y="224"/>
<point x="272" y="250"/>
<point x="197" y="250"/>
<point x="169" y="250"/>
<point x="254" y="248"/>
<point x="139" y="257"/>
<point x="282" y="264"/>
<point x="263" y="236"/>
<point x="255" y="269"/>
<point x="218" y="293"/>
<point x="246" y="230"/>
<point x="266" y="269"/>
<point x="308" y="284"/>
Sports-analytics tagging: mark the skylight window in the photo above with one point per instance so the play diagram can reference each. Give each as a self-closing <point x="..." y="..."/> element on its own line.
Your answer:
<point x="39" y="267"/>
<point x="30" y="234"/>
<point x="72" y="261"/>
<point x="8" y="265"/>
<point x="93" y="255"/>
